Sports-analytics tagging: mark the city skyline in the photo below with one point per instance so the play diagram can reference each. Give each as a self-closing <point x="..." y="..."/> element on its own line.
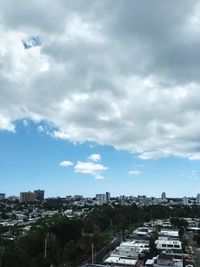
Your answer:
<point x="39" y="195"/>
<point x="99" y="97"/>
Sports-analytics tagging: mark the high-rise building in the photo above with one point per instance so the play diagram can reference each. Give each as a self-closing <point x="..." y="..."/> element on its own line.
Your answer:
<point x="101" y="197"/>
<point x="107" y="196"/>
<point x="198" y="199"/>
<point x="39" y="194"/>
<point x="163" y="195"/>
<point x="27" y="197"/>
<point x="185" y="201"/>
<point x="2" y="196"/>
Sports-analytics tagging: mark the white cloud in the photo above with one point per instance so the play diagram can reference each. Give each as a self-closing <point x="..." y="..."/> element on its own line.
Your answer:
<point x="6" y="124"/>
<point x="136" y="86"/>
<point x="99" y="177"/>
<point x="94" y="157"/>
<point x="66" y="163"/>
<point x="90" y="168"/>
<point x="40" y="128"/>
<point x="134" y="172"/>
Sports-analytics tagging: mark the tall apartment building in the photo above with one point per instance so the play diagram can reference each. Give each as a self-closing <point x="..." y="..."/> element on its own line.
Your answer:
<point x="27" y="197"/>
<point x="185" y="201"/>
<point x="198" y="199"/>
<point x="103" y="197"/>
<point x="107" y="196"/>
<point x="163" y="195"/>
<point x="39" y="194"/>
<point x="2" y="196"/>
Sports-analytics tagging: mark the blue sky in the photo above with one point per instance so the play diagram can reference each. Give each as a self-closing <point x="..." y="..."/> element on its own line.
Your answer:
<point x="31" y="159"/>
<point x="100" y="96"/>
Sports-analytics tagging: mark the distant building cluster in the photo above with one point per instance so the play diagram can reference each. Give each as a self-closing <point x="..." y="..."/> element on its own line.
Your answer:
<point x="189" y="201"/>
<point x="103" y="197"/>
<point x="37" y="195"/>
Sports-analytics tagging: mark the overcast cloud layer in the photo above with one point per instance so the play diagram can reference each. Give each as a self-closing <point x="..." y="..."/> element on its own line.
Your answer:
<point x="123" y="73"/>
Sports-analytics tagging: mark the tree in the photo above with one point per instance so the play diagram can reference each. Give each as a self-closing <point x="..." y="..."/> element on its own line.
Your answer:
<point x="178" y="223"/>
<point x="152" y="245"/>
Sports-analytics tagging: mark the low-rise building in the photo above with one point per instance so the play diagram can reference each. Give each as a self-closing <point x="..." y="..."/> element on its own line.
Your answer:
<point x="131" y="249"/>
<point x="164" y="260"/>
<point x="168" y="235"/>
<point x="120" y="261"/>
<point x="169" y="245"/>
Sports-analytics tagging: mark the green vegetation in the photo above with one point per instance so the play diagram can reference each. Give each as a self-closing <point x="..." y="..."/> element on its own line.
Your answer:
<point x="152" y="246"/>
<point x="196" y="238"/>
<point x="181" y="225"/>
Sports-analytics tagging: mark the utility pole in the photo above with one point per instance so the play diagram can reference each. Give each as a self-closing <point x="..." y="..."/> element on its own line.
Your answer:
<point x="45" y="246"/>
<point x="111" y="226"/>
<point x="92" y="253"/>
<point x="1" y="254"/>
<point x="82" y="234"/>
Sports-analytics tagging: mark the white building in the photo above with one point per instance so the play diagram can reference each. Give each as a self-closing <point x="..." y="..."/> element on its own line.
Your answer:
<point x="164" y="260"/>
<point x="185" y="201"/>
<point x="120" y="261"/>
<point x="168" y="235"/>
<point x="168" y="245"/>
<point x="131" y="249"/>
<point x="142" y="231"/>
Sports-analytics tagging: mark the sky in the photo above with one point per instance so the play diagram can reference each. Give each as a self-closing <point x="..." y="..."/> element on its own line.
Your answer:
<point x="100" y="96"/>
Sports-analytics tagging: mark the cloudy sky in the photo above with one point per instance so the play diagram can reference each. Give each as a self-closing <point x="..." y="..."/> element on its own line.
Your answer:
<point x="100" y="95"/>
